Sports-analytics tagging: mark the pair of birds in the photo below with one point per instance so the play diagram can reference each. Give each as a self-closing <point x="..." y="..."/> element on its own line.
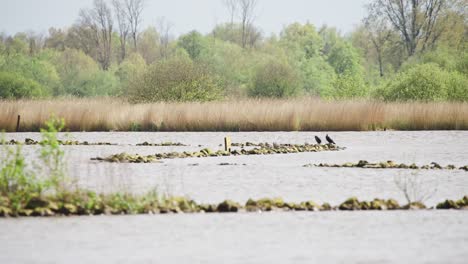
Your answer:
<point x="328" y="138"/>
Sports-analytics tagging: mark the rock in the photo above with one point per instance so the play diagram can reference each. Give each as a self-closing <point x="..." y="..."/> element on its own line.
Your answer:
<point x="350" y="204"/>
<point x="311" y="206"/>
<point x="448" y="204"/>
<point x="228" y="206"/>
<point x="378" y="204"/>
<point x="450" y="167"/>
<point x="37" y="202"/>
<point x="326" y="207"/>
<point x="365" y="205"/>
<point x="265" y="204"/>
<point x="206" y="151"/>
<point x="463" y="202"/>
<point x="414" y="206"/>
<point x="392" y="204"/>
<point x="68" y="209"/>
<point x="44" y="211"/>
<point x="362" y="163"/>
<point x="299" y="207"/>
<point x="251" y="206"/>
<point x="403" y="166"/>
<point x="5" y="211"/>
<point x="208" y="208"/>
<point x="185" y="205"/>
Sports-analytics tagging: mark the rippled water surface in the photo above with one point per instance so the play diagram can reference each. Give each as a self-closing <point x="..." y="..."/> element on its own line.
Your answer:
<point x="359" y="237"/>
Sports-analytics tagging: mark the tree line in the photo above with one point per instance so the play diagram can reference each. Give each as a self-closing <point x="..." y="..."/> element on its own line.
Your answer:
<point x="402" y="50"/>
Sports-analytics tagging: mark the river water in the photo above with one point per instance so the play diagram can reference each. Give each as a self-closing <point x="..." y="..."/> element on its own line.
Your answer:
<point x="333" y="237"/>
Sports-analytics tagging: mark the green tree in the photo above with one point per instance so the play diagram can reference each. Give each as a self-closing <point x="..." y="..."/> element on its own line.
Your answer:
<point x="425" y="82"/>
<point x="302" y="37"/>
<point x="457" y="87"/>
<point x="275" y="79"/>
<point x="33" y="68"/>
<point x="148" y="45"/>
<point x="75" y="69"/>
<point x="133" y="65"/>
<point x="175" y="79"/>
<point x="193" y="43"/>
<point x="15" y="86"/>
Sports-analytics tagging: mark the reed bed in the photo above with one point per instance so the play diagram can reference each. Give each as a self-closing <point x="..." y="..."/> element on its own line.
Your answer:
<point x="306" y="114"/>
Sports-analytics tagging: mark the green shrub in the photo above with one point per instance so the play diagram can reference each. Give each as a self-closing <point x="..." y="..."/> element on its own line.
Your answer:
<point x="35" y="68"/>
<point x="175" y="79"/>
<point x="275" y="79"/>
<point x="457" y="87"/>
<point x="193" y="43"/>
<point x="425" y="82"/>
<point x="348" y="86"/>
<point x="13" y="85"/>
<point x="19" y="184"/>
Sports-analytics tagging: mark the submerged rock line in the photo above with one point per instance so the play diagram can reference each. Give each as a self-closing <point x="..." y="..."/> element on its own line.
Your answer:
<point x="388" y="165"/>
<point x="90" y="203"/>
<point x="265" y="149"/>
<point x="29" y="141"/>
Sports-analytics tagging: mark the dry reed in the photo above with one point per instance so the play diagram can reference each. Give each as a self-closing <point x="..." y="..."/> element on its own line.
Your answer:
<point x="307" y="114"/>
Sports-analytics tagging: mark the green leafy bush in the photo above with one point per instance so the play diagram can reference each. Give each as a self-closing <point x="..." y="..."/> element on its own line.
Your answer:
<point x="36" y="68"/>
<point x="425" y="82"/>
<point x="13" y="85"/>
<point x="457" y="87"/>
<point x="275" y="79"/>
<point x="348" y="86"/>
<point x="175" y="79"/>
<point x="193" y="43"/>
<point x="19" y="184"/>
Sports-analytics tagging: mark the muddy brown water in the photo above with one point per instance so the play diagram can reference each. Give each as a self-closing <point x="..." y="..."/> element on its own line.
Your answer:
<point x="334" y="237"/>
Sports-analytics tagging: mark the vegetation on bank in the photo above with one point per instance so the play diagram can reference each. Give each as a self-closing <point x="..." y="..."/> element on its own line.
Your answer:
<point x="378" y="60"/>
<point x="306" y="114"/>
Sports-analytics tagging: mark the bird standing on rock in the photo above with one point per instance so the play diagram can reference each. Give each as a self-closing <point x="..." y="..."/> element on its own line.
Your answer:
<point x="319" y="141"/>
<point x="330" y="140"/>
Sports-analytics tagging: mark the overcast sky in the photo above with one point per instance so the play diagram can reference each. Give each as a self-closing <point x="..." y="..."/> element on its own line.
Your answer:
<point x="186" y="15"/>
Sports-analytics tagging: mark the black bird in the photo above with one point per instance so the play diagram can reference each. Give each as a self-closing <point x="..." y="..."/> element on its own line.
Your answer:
<point x="329" y="140"/>
<point x="319" y="141"/>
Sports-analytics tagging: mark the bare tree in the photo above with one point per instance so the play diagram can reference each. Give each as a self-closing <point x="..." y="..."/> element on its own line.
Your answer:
<point x="231" y="6"/>
<point x="164" y="28"/>
<point x="414" y="188"/>
<point x="55" y="39"/>
<point x="134" y="11"/>
<point x="247" y="16"/>
<point x="123" y="24"/>
<point x="36" y="42"/>
<point x="415" y="20"/>
<point x="81" y="37"/>
<point x="379" y="32"/>
<point x="97" y="24"/>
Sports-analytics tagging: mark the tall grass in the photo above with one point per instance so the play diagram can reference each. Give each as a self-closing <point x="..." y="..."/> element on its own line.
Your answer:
<point x="307" y="114"/>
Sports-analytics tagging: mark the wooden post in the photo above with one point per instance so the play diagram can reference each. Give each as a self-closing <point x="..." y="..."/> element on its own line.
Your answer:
<point x="227" y="144"/>
<point x="18" y="123"/>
